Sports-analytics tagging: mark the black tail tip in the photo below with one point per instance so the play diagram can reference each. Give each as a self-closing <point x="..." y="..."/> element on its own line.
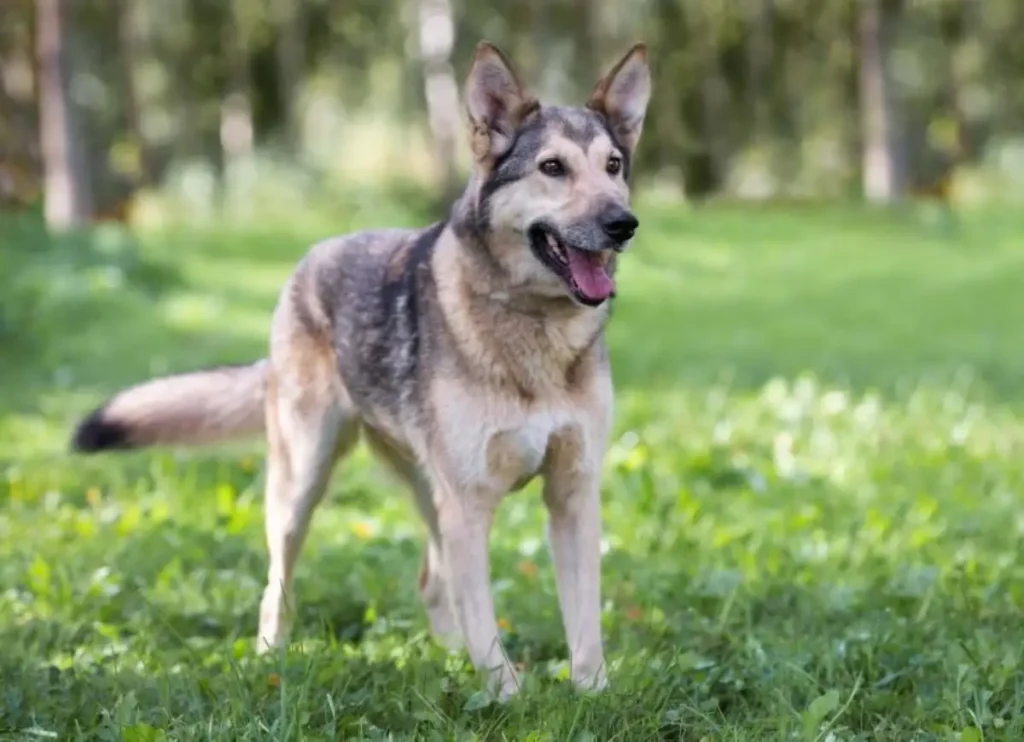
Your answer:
<point x="95" y="433"/>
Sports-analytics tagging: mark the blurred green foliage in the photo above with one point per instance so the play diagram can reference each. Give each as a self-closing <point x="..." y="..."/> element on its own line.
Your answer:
<point x="756" y="98"/>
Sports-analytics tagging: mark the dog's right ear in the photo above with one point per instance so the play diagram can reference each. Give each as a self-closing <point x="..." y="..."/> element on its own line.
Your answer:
<point x="496" y="103"/>
<point x="622" y="95"/>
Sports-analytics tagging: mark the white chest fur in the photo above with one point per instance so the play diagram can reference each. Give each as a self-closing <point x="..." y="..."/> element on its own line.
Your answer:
<point x="500" y="448"/>
<point x="515" y="455"/>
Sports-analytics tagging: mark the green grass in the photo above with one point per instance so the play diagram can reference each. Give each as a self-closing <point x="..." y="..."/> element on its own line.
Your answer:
<point x="812" y="505"/>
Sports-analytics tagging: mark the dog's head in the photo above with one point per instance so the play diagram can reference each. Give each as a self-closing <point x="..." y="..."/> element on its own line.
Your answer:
<point x="552" y="196"/>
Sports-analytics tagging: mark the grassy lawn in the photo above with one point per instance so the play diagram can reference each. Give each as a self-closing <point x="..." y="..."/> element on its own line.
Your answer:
<point x="813" y="505"/>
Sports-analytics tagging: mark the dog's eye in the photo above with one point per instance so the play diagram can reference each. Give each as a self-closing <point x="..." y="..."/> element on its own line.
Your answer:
<point x="614" y="165"/>
<point x="552" y="168"/>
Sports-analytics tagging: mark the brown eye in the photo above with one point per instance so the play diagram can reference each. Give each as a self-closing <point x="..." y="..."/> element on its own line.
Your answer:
<point x="553" y="168"/>
<point x="614" y="165"/>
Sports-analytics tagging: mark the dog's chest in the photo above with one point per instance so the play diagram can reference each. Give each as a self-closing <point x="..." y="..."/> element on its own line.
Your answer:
<point x="502" y="453"/>
<point x="514" y="455"/>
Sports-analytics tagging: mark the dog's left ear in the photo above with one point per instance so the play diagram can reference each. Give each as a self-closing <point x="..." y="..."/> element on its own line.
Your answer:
<point x="622" y="95"/>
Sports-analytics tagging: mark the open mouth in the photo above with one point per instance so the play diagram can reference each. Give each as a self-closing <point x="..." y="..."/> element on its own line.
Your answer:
<point x="585" y="272"/>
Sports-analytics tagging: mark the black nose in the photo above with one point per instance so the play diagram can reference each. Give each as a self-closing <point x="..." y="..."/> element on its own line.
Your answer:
<point x="619" y="224"/>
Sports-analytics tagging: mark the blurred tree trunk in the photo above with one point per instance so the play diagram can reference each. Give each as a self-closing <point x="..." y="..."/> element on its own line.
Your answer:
<point x="237" y="129"/>
<point x="959" y="33"/>
<point x="68" y="191"/>
<point x="20" y="181"/>
<point x="134" y="39"/>
<point x="760" y="66"/>
<point x="236" y="123"/>
<point x="713" y="97"/>
<point x="436" y="26"/>
<point x="884" y="157"/>
<point x="193" y="127"/>
<point x="291" y="64"/>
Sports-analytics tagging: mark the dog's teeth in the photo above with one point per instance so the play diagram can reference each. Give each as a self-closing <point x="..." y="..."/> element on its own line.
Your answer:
<point x="556" y="246"/>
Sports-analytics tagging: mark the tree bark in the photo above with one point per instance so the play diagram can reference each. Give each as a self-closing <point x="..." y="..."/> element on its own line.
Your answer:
<point x="884" y="158"/>
<point x="134" y="38"/>
<point x="291" y="62"/>
<point x="713" y="95"/>
<point x="20" y="172"/>
<point x="760" y="54"/>
<point x="236" y="124"/>
<point x="68" y="199"/>
<point x="436" y="26"/>
<point x="960" y="29"/>
<point x="193" y="137"/>
<point x="237" y="129"/>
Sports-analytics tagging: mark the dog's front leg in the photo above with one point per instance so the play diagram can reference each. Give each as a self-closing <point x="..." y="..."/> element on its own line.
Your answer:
<point x="464" y="522"/>
<point x="572" y="497"/>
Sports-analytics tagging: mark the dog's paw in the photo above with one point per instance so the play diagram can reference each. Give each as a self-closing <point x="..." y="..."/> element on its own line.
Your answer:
<point x="590" y="682"/>
<point x="507" y="691"/>
<point x="275" y="620"/>
<point x="268" y="644"/>
<point x="272" y="636"/>
<point x="503" y="685"/>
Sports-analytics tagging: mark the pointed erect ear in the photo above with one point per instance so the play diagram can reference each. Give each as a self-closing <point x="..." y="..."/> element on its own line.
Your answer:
<point x="495" y="101"/>
<point x="621" y="96"/>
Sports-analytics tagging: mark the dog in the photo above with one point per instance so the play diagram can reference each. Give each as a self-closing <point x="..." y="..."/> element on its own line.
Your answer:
<point x="469" y="355"/>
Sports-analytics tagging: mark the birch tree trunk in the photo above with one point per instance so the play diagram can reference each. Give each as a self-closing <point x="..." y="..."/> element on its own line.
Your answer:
<point x="237" y="130"/>
<point x="68" y="199"/>
<point x="436" y="27"/>
<point x="884" y="159"/>
<point x="236" y="125"/>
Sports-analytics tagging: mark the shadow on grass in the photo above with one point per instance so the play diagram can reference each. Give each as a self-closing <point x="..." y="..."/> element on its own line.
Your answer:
<point x="86" y="313"/>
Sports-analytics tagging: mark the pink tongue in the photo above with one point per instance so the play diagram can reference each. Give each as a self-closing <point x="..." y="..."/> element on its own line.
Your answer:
<point x="589" y="274"/>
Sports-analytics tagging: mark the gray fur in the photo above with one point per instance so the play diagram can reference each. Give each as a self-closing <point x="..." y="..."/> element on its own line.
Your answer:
<point x="371" y="295"/>
<point x="466" y="352"/>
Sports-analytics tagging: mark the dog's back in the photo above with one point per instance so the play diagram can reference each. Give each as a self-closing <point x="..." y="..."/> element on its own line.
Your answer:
<point x="356" y="294"/>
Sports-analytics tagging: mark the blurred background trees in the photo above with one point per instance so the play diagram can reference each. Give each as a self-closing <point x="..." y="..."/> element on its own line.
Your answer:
<point x="210" y="107"/>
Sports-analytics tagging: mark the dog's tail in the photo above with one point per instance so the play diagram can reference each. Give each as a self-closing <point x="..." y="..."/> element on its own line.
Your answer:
<point x="190" y="408"/>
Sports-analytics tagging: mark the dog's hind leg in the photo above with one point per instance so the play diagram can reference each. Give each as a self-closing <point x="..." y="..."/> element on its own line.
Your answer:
<point x="433" y="581"/>
<point x="433" y="586"/>
<point x="310" y="425"/>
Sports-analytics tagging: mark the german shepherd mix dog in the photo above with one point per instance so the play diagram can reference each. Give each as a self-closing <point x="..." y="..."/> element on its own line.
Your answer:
<point x="470" y="355"/>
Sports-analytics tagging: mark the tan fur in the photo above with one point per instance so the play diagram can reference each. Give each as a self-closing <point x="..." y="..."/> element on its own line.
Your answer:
<point x="198" y="407"/>
<point x="460" y="356"/>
